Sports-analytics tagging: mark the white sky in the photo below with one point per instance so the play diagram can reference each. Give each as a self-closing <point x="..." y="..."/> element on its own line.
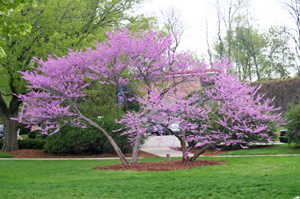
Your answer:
<point x="195" y="12"/>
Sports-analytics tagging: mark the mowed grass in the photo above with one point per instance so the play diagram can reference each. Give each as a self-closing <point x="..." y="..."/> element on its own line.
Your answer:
<point x="5" y="155"/>
<point x="274" y="149"/>
<point x="246" y="177"/>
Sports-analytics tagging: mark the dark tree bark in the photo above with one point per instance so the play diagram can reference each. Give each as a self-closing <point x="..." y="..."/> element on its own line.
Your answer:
<point x="10" y="142"/>
<point x="211" y="145"/>
<point x="10" y="126"/>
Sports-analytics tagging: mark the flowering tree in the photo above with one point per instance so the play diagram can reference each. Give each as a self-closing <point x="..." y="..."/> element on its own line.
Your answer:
<point x="230" y="112"/>
<point x="139" y="60"/>
<point x="144" y="61"/>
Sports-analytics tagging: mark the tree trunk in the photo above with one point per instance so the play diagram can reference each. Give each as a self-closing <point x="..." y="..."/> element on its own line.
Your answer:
<point x="110" y="139"/>
<point x="181" y="138"/>
<point x="135" y="151"/>
<point x="10" y="142"/>
<point x="255" y="62"/>
<point x="211" y="145"/>
<point x="184" y="150"/>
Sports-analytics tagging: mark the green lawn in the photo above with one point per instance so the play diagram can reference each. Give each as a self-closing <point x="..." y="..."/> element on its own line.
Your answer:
<point x="247" y="177"/>
<point x="5" y="155"/>
<point x="275" y="149"/>
<point x="24" y="136"/>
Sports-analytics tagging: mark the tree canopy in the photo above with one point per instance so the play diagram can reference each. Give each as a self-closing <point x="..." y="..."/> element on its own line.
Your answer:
<point x="7" y="10"/>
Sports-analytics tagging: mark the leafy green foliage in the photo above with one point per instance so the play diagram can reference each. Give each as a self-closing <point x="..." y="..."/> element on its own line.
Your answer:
<point x="24" y="130"/>
<point x="7" y="10"/>
<point x="75" y="140"/>
<point x="100" y="100"/>
<point x="257" y="55"/>
<point x="279" y="58"/>
<point x="29" y="144"/>
<point x="293" y="117"/>
<point x="33" y="134"/>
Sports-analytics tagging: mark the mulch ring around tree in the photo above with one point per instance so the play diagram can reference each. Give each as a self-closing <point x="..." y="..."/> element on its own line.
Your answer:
<point x="161" y="166"/>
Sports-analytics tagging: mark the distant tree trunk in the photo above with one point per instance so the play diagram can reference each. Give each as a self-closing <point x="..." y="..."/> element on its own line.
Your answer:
<point x="255" y="62"/>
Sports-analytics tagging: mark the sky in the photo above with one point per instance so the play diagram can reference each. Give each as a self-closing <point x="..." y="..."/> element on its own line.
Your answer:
<point x="195" y="13"/>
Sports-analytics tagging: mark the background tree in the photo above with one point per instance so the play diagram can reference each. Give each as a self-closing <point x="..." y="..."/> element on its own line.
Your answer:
<point x="173" y="25"/>
<point x="7" y="10"/>
<point x="257" y="55"/>
<point x="261" y="56"/>
<point x="248" y="53"/>
<point x="56" y="27"/>
<point x="279" y="57"/>
<point x="227" y="14"/>
<point x="293" y="8"/>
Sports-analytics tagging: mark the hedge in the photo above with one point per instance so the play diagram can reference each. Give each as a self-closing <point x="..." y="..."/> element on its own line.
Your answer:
<point x="29" y="144"/>
<point x="285" y="91"/>
<point x="75" y="140"/>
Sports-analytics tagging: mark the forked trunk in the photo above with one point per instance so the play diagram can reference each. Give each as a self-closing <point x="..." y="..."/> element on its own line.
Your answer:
<point x="183" y="144"/>
<point x="184" y="150"/>
<point x="135" y="151"/>
<point x="211" y="145"/>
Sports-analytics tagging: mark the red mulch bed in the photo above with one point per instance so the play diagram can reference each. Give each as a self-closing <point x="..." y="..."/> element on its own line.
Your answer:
<point x="161" y="166"/>
<point x="34" y="153"/>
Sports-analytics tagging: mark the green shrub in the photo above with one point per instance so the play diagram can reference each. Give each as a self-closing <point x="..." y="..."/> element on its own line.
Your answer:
<point x="293" y="126"/>
<point x="29" y="144"/>
<point x="75" y="140"/>
<point x="36" y="135"/>
<point x="24" y="130"/>
<point x="33" y="134"/>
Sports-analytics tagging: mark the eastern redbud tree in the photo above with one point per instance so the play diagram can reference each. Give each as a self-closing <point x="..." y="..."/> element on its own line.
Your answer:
<point x="136" y="59"/>
<point x="160" y="76"/>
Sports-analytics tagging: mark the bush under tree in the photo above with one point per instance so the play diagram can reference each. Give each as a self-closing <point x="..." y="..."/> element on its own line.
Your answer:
<point x="76" y="140"/>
